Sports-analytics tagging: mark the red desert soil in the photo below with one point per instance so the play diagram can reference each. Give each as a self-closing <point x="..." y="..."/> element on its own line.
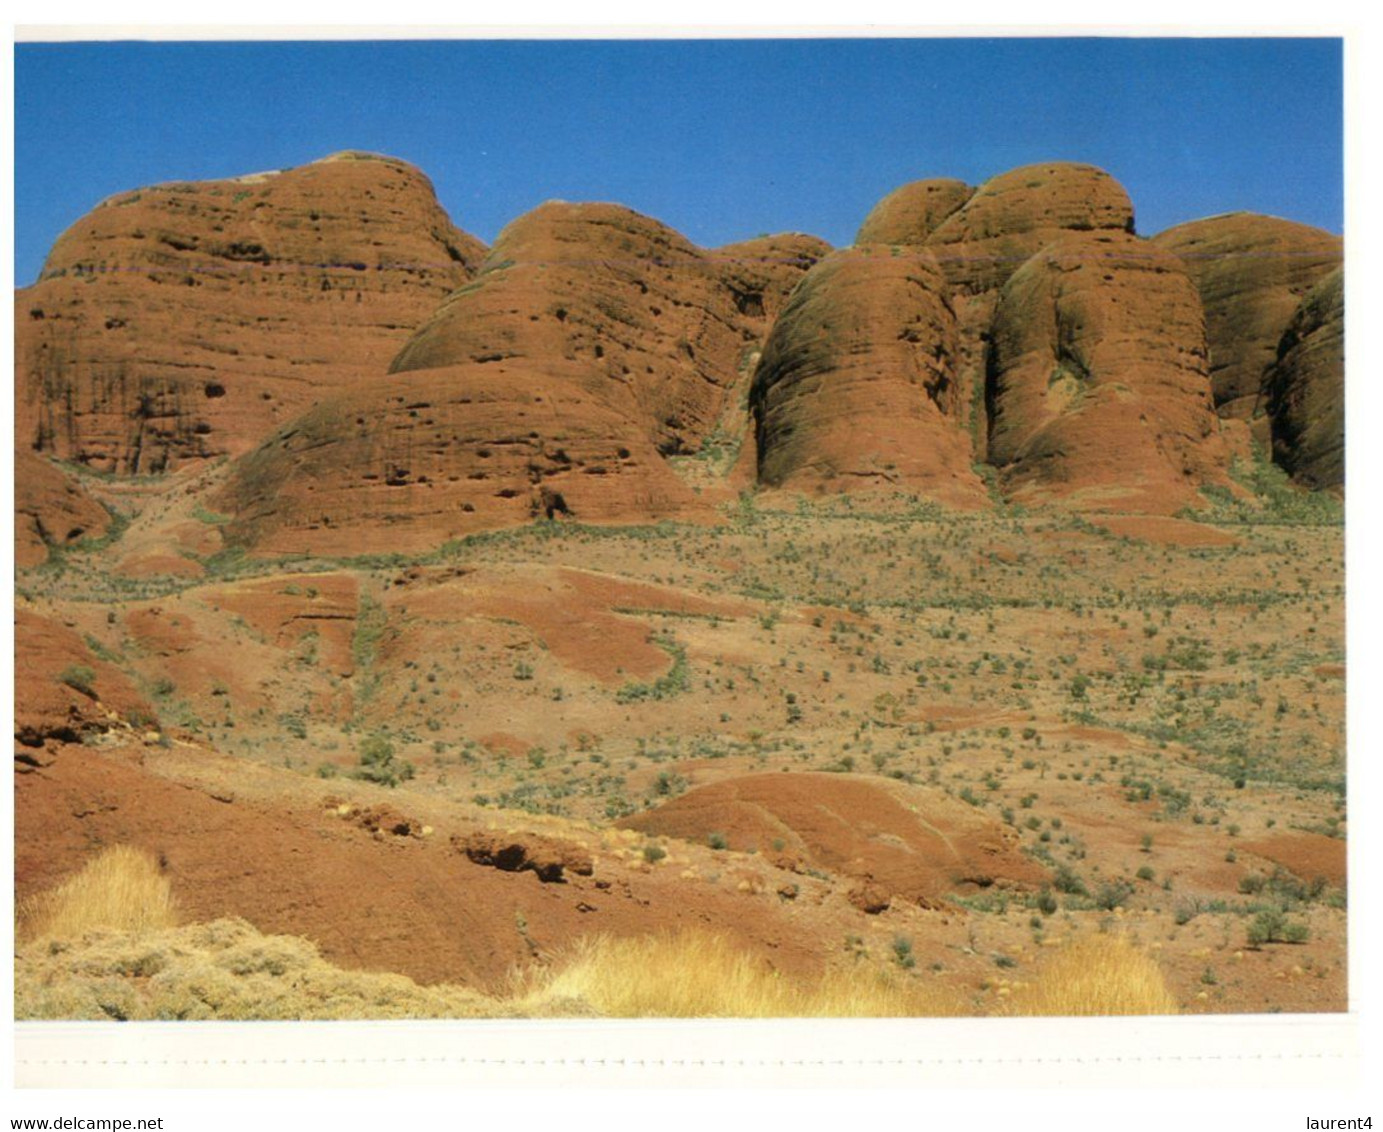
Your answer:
<point x="1162" y="531"/>
<point x="62" y="690"/>
<point x="301" y="860"/>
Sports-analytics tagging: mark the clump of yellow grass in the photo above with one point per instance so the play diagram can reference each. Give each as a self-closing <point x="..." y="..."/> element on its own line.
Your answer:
<point x="121" y="889"/>
<point x="1095" y="975"/>
<point x="702" y="975"/>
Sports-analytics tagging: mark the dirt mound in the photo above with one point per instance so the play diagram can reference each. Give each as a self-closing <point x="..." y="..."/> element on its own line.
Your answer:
<point x="1306" y="855"/>
<point x="1098" y="391"/>
<point x="900" y="842"/>
<point x="1251" y="272"/>
<point x="1305" y="389"/>
<point x="856" y="387"/>
<point x="911" y="213"/>
<point x="50" y="509"/>
<point x="186" y="321"/>
<point x="63" y="690"/>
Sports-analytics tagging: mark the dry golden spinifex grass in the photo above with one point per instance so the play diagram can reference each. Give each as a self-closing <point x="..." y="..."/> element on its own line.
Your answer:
<point x="121" y="889"/>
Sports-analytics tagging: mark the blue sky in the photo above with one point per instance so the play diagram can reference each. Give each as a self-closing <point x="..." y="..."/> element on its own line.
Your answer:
<point x="721" y="139"/>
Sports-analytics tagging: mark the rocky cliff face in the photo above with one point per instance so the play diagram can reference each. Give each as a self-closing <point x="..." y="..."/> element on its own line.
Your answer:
<point x="594" y="344"/>
<point x="1251" y="272"/>
<point x="1098" y="386"/>
<point x="379" y="376"/>
<point x="190" y="320"/>
<point x="857" y="384"/>
<point x="1305" y="389"/>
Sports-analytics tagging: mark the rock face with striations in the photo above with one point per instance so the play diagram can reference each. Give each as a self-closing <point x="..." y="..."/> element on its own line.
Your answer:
<point x="594" y="343"/>
<point x="857" y="383"/>
<point x="1098" y="387"/>
<point x="190" y="320"/>
<point x="911" y="213"/>
<point x="982" y="236"/>
<point x="1305" y="389"/>
<point x="1016" y="214"/>
<point x="1251" y="272"/>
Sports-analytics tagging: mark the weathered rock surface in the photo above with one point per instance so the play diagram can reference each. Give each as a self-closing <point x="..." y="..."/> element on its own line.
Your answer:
<point x="51" y="509"/>
<point x="650" y="320"/>
<point x="1016" y="214"/>
<point x="1005" y="221"/>
<point x="1098" y="388"/>
<point x="550" y="858"/>
<point x="1305" y="389"/>
<point x="912" y="212"/>
<point x="1251" y="272"/>
<point x="594" y="343"/>
<point x="857" y="386"/>
<point x="190" y="320"/>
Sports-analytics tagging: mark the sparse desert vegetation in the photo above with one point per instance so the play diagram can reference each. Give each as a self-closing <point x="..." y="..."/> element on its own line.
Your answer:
<point x="597" y="622"/>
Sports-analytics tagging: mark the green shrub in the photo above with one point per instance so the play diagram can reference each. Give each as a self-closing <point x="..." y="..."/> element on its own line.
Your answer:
<point x="80" y="678"/>
<point x="378" y="764"/>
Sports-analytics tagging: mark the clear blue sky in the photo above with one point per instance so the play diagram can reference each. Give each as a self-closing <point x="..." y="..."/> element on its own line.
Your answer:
<point x="721" y="139"/>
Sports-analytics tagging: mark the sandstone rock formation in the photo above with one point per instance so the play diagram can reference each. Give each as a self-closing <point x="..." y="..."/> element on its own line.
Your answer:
<point x="1098" y="389"/>
<point x="594" y="343"/>
<point x="1016" y="214"/>
<point x="51" y="509"/>
<point x="911" y="213"/>
<point x="649" y="318"/>
<point x="981" y="236"/>
<point x="190" y="320"/>
<point x="857" y="384"/>
<point x="1305" y="389"/>
<point x="1251" y="272"/>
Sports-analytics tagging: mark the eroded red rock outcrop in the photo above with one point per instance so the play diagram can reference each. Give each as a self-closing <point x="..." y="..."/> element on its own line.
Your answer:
<point x="1251" y="272"/>
<point x="1016" y="214"/>
<point x="594" y="343"/>
<point x="1098" y="387"/>
<point x="912" y="212"/>
<point x="857" y="383"/>
<point x="1001" y="224"/>
<point x="190" y="320"/>
<point x="51" y="509"/>
<point x="1305" y="389"/>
